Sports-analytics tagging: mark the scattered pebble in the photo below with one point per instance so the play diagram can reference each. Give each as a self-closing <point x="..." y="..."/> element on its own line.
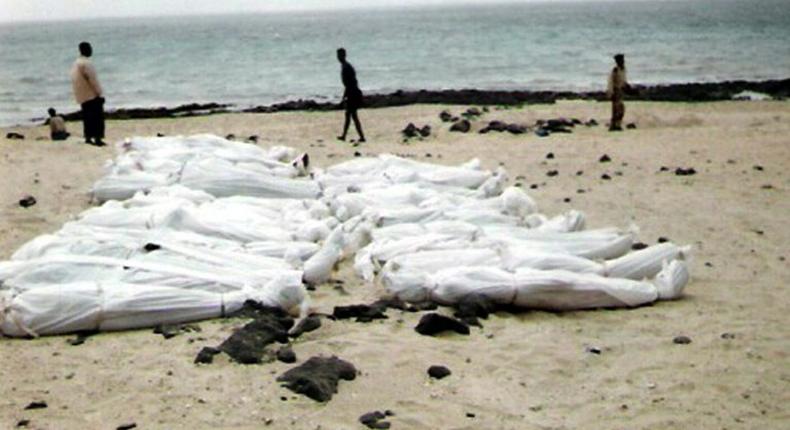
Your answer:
<point x="631" y="126"/>
<point x="728" y="335"/>
<point x="682" y="340"/>
<point x="27" y="201"/>
<point x="662" y="239"/>
<point x="36" y="405"/>
<point x="758" y="167"/>
<point x="23" y="423"/>
<point x="550" y="156"/>
<point x="606" y="177"/>
<point x="767" y="187"/>
<point x="552" y="173"/>
<point x="15" y="136"/>
<point x="357" y="154"/>
<point x="470" y="415"/>
<point x="439" y="372"/>
<point x="593" y="350"/>
<point x="580" y="172"/>
<point x="566" y="200"/>
<point x="638" y="245"/>
<point x="685" y="172"/>
<point x="604" y="159"/>
<point x="206" y="355"/>
<point x="129" y="426"/>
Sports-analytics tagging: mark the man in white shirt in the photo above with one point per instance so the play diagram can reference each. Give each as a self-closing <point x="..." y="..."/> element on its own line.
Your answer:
<point x="618" y="85"/>
<point x="88" y="93"/>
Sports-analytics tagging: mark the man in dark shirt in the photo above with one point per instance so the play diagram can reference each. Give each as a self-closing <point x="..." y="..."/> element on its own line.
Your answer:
<point x="352" y="97"/>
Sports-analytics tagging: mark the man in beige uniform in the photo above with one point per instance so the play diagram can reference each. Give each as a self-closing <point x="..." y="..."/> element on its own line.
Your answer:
<point x="618" y="85"/>
<point x="88" y="93"/>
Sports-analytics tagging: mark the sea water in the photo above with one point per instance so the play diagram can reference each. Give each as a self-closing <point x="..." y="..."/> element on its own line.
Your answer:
<point x="265" y="58"/>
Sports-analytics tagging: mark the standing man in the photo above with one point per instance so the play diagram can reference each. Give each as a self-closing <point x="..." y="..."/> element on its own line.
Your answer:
<point x="352" y="97"/>
<point x="618" y="85"/>
<point x="88" y="93"/>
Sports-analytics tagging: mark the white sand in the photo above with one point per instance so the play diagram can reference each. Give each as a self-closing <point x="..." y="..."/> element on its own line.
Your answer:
<point x="521" y="371"/>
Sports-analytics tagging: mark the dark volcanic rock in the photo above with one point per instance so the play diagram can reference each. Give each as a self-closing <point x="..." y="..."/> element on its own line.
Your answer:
<point x="374" y="420"/>
<point x="446" y="116"/>
<point x="516" y="129"/>
<point x="206" y="355"/>
<point x="439" y="372"/>
<point x="27" y="201"/>
<point x="363" y="313"/>
<point x="286" y="354"/>
<point x="471" y="113"/>
<point x="308" y="324"/>
<point x="410" y="131"/>
<point x="425" y="131"/>
<point x="433" y="323"/>
<point x="494" y="126"/>
<point x="318" y="377"/>
<point x="15" y="136"/>
<point x="472" y="307"/>
<point x="247" y="345"/>
<point x="462" y="126"/>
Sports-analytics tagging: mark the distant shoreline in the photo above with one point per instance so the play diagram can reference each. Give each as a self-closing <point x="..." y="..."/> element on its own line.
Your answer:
<point x="686" y="92"/>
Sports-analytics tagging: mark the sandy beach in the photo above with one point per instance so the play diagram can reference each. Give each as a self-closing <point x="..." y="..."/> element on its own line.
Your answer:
<point x="521" y="371"/>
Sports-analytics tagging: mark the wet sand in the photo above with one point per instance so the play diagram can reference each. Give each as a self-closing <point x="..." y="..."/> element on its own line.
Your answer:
<point x="524" y="371"/>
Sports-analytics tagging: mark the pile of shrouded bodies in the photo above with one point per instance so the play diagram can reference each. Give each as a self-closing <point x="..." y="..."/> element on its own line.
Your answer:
<point x="187" y="246"/>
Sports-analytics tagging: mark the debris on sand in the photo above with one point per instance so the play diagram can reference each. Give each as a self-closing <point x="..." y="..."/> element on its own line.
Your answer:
<point x="552" y="173"/>
<point x="605" y="158"/>
<point x="630" y="126"/>
<point x="432" y="324"/>
<point x="172" y="330"/>
<point x="318" y="377"/>
<point x="410" y="131"/>
<point x="128" y="426"/>
<point x="27" y="201"/>
<point x="471" y="113"/>
<point x="439" y="372"/>
<point x="362" y="313"/>
<point x="681" y="340"/>
<point x="15" y="136"/>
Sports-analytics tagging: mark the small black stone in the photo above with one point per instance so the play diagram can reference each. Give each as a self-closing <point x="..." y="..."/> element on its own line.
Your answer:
<point x="550" y="156"/>
<point x="758" y="168"/>
<point x="357" y="154"/>
<point x="129" y="426"/>
<point x="566" y="200"/>
<point x="663" y="169"/>
<point x="606" y="177"/>
<point x="551" y="173"/>
<point x="151" y="247"/>
<point x="604" y="159"/>
<point x="470" y="415"/>
<point x="728" y="335"/>
<point x="438" y="372"/>
<point x="638" y="245"/>
<point x="594" y="350"/>
<point x="27" y="201"/>
<point x="682" y="340"/>
<point x="662" y="239"/>
<point x="533" y="186"/>
<point x="36" y="405"/>
<point x="22" y="423"/>
<point x="580" y="172"/>
<point x="16" y="136"/>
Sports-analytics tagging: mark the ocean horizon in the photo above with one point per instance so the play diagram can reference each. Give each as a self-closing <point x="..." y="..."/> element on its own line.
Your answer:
<point x="257" y="59"/>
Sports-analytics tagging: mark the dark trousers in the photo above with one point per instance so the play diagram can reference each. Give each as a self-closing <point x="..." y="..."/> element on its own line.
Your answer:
<point x="618" y="112"/>
<point x="93" y="119"/>
<point x="59" y="135"/>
